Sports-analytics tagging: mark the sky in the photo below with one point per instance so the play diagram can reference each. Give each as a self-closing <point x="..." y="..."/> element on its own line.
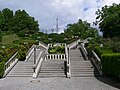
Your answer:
<point x="67" y="11"/>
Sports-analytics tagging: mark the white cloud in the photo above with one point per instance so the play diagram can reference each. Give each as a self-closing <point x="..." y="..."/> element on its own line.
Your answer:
<point x="68" y="11"/>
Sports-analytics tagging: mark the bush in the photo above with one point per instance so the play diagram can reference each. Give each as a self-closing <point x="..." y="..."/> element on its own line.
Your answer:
<point x="57" y="50"/>
<point x="22" y="53"/>
<point x="1" y="69"/>
<point x="1" y="58"/>
<point x="111" y="65"/>
<point x="0" y="38"/>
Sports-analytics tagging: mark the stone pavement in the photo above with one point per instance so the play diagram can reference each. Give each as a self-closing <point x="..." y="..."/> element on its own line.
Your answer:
<point x="75" y="83"/>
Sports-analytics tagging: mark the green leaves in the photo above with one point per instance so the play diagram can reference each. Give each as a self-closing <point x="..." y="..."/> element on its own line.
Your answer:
<point x="18" y="21"/>
<point x="111" y="65"/>
<point x="81" y="29"/>
<point x="108" y="19"/>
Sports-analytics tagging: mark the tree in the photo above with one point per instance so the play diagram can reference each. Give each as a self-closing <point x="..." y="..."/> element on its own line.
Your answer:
<point x="18" y="21"/>
<point x="108" y="19"/>
<point x="81" y="29"/>
<point x="6" y="16"/>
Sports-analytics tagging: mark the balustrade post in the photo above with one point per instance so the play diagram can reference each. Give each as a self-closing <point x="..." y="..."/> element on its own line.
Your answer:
<point x="64" y="56"/>
<point x="55" y="57"/>
<point x="50" y="56"/>
<point x="58" y="57"/>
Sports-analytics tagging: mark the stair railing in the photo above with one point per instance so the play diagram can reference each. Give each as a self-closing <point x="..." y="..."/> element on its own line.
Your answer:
<point x="97" y="62"/>
<point x="10" y="64"/>
<point x="68" y="62"/>
<point x="43" y="44"/>
<point x="84" y="51"/>
<point x="30" y="51"/>
<point x="38" y="64"/>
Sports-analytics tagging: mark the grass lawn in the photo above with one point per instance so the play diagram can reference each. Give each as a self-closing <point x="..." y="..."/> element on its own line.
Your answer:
<point x="8" y="39"/>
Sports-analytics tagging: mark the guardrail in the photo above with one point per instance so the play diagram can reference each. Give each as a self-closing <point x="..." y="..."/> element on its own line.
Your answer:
<point x="97" y="62"/>
<point x="10" y="64"/>
<point x="84" y="51"/>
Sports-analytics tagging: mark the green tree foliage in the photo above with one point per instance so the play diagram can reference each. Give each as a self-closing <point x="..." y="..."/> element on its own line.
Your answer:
<point x="108" y="19"/>
<point x="18" y="21"/>
<point x="81" y="29"/>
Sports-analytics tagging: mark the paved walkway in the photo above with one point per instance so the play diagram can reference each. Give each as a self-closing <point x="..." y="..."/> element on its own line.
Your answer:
<point x="22" y="83"/>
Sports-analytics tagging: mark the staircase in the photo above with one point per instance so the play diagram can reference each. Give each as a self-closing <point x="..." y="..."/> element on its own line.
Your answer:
<point x="24" y="68"/>
<point x="81" y="67"/>
<point x="52" y="68"/>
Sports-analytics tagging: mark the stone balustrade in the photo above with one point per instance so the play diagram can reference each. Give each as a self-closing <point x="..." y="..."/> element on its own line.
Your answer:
<point x="30" y="51"/>
<point x="84" y="51"/>
<point x="42" y="44"/>
<point x="10" y="63"/>
<point x="55" y="57"/>
<point x="67" y="62"/>
<point x="97" y="62"/>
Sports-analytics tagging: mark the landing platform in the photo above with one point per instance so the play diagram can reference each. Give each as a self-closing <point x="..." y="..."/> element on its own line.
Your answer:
<point x="75" y="83"/>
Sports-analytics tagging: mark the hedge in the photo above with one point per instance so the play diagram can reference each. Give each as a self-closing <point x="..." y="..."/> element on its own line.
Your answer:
<point x="1" y="69"/>
<point x="111" y="65"/>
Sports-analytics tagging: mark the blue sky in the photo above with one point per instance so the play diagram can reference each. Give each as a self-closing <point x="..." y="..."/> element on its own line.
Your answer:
<point x="68" y="11"/>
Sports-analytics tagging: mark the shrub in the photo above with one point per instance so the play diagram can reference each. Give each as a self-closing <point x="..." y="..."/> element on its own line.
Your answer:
<point x="1" y="69"/>
<point x="0" y="38"/>
<point x="57" y="50"/>
<point x="22" y="53"/>
<point x="111" y="65"/>
<point x="1" y="58"/>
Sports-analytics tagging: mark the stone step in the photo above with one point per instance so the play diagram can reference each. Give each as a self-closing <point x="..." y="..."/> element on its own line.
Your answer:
<point x="85" y="75"/>
<point x="86" y="67"/>
<point x="51" y="74"/>
<point x="19" y="75"/>
<point x="51" y="71"/>
<point x="84" y="70"/>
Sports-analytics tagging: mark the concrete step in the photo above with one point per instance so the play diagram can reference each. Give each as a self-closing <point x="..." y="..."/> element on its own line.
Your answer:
<point x="86" y="75"/>
<point x="19" y="75"/>
<point x="83" y="70"/>
<point x="51" y="76"/>
<point x="51" y="71"/>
